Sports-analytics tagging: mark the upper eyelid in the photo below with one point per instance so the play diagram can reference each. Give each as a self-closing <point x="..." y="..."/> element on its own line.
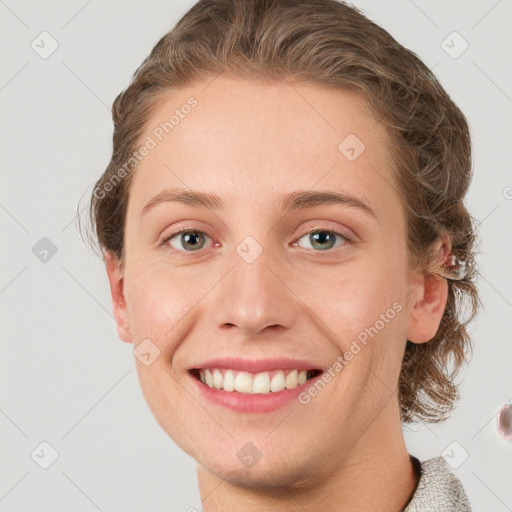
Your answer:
<point x="325" y="228"/>
<point x="166" y="239"/>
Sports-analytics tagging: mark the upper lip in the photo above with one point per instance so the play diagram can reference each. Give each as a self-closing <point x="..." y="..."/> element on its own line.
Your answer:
<point x="259" y="365"/>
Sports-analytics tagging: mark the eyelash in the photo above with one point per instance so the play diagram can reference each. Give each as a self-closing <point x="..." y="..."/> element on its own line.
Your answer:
<point x="317" y="229"/>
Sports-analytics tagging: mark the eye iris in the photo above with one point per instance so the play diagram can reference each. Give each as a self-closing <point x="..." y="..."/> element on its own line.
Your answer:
<point x="189" y="236"/>
<point x="321" y="237"/>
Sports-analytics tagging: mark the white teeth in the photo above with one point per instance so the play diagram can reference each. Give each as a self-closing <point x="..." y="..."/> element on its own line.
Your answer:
<point x="261" y="383"/>
<point x="229" y="381"/>
<point x="217" y="379"/>
<point x="277" y="382"/>
<point x="245" y="382"/>
<point x="291" y="380"/>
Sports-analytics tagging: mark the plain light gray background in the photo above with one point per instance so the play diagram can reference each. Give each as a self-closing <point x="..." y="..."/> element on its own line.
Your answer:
<point x="67" y="380"/>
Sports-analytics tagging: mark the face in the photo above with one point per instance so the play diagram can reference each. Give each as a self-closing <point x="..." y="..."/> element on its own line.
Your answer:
<point x="297" y="260"/>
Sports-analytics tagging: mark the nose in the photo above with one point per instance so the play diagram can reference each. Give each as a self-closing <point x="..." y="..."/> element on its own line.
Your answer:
<point x="255" y="297"/>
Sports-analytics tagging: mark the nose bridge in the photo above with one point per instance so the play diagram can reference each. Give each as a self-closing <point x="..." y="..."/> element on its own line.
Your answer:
<point x="251" y="296"/>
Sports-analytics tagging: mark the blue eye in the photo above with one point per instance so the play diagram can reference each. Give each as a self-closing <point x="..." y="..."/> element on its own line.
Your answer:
<point x="323" y="239"/>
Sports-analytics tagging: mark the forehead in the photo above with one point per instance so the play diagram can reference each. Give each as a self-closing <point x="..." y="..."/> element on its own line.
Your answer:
<point x="252" y="141"/>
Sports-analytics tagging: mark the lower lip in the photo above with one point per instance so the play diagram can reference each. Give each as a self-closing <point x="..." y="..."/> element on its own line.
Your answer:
<point x="255" y="403"/>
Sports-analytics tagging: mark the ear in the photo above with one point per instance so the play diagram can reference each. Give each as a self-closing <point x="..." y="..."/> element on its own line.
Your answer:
<point x="115" y="278"/>
<point x="428" y="293"/>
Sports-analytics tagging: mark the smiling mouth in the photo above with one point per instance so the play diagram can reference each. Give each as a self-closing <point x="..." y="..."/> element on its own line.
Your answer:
<point x="253" y="383"/>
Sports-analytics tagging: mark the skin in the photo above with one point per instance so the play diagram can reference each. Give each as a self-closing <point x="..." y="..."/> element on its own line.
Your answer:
<point x="250" y="143"/>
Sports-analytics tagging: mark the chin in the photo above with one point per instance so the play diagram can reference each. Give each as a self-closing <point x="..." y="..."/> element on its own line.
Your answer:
<point x="263" y="478"/>
<point x="272" y="472"/>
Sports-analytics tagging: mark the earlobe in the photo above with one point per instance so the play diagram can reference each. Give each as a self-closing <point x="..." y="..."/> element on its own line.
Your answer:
<point x="428" y="297"/>
<point x="116" y="281"/>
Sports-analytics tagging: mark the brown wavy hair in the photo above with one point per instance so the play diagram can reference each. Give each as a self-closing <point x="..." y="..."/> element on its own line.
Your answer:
<point x="331" y="43"/>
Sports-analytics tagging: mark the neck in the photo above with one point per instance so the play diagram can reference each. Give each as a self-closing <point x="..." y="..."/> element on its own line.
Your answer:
<point x="376" y="474"/>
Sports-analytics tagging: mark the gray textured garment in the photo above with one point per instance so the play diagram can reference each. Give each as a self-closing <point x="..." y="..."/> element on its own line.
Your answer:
<point x="439" y="490"/>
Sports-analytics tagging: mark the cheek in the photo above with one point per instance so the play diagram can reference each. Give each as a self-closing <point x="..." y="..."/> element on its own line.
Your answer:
<point x="357" y="297"/>
<point x="363" y="306"/>
<point x="157" y="301"/>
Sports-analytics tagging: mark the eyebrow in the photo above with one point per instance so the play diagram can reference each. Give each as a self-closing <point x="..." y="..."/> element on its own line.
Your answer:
<point x="289" y="202"/>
